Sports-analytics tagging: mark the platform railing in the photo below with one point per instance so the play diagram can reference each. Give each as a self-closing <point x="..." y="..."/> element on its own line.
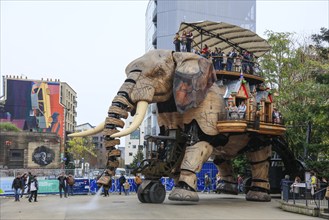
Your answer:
<point x="302" y="195"/>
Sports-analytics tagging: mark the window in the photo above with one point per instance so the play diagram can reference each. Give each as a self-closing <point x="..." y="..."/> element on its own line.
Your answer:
<point x="16" y="155"/>
<point x="134" y="146"/>
<point x="130" y="154"/>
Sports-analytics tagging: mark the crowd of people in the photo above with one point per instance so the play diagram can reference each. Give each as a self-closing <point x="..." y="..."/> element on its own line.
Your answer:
<point x="232" y="61"/>
<point x="28" y="183"/>
<point x="297" y="188"/>
<point x="25" y="182"/>
<point x="239" y="112"/>
<point x="235" y="112"/>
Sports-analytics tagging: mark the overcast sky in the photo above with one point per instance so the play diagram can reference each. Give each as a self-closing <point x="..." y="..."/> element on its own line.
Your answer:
<point x="89" y="43"/>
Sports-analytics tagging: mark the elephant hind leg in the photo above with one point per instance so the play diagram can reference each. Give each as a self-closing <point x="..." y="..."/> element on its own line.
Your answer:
<point x="227" y="183"/>
<point x="260" y="186"/>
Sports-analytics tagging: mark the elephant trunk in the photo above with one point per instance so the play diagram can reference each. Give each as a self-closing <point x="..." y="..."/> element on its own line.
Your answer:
<point x="118" y="110"/>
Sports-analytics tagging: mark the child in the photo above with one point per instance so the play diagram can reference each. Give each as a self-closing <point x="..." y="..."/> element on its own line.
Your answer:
<point x="126" y="187"/>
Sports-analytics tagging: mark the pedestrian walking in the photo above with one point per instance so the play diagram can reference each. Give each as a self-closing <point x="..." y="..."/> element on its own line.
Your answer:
<point x="207" y="183"/>
<point x="17" y="186"/>
<point x="24" y="183"/>
<point x="29" y="178"/>
<point x="122" y="180"/>
<point x="34" y="186"/>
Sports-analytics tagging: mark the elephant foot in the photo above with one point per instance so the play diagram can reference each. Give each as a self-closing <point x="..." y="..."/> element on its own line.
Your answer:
<point x="180" y="194"/>
<point x="258" y="196"/>
<point x="227" y="188"/>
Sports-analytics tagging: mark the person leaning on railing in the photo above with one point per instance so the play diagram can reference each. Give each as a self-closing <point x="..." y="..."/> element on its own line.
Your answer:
<point x="177" y="42"/>
<point x="242" y="110"/>
<point x="276" y="116"/>
<point x="295" y="187"/>
<point x="231" y="109"/>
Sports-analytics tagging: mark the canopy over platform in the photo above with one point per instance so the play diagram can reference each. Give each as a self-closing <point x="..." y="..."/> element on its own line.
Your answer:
<point x="225" y="36"/>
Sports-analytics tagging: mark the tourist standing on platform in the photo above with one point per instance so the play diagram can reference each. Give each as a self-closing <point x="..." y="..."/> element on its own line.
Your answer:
<point x="242" y="110"/>
<point x="276" y="116"/>
<point x="221" y="59"/>
<point x="177" y="42"/>
<point x="230" y="59"/>
<point x="34" y="186"/>
<point x="245" y="61"/>
<point x="205" y="51"/>
<point x="62" y="185"/>
<point x="16" y="186"/>
<point x="231" y="109"/>
<point x="189" y="40"/>
<point x="183" y="41"/>
<point x="215" y="58"/>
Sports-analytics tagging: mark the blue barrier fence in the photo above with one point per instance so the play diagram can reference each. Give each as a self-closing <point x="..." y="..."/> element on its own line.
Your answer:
<point x="87" y="185"/>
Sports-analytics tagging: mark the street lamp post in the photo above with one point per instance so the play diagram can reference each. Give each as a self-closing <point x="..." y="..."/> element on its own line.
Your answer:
<point x="66" y="110"/>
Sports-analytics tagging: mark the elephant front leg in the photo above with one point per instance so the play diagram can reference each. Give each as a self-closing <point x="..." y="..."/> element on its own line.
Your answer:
<point x="192" y="163"/>
<point x="227" y="182"/>
<point x="260" y="186"/>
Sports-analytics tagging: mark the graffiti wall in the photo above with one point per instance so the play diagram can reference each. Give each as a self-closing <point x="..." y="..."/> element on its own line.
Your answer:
<point x="33" y="106"/>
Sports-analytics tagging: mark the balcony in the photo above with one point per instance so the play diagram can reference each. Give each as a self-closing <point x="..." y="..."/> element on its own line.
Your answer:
<point x="236" y="123"/>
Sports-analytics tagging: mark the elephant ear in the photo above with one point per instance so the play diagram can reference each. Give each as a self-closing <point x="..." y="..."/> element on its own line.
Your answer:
<point x="194" y="75"/>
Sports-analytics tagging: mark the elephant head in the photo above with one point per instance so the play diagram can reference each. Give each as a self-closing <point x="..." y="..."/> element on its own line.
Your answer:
<point x="155" y="77"/>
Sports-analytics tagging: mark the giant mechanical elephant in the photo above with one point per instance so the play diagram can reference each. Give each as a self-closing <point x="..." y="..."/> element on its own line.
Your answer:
<point x="183" y="86"/>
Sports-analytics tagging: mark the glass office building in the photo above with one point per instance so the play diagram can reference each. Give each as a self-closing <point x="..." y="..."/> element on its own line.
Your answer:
<point x="163" y="17"/>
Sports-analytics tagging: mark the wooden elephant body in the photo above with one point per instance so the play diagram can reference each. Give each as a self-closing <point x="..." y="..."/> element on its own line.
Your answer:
<point x="184" y="87"/>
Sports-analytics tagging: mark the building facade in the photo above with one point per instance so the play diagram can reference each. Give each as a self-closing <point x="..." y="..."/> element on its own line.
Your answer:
<point x="43" y="106"/>
<point x="29" y="150"/>
<point x="133" y="142"/>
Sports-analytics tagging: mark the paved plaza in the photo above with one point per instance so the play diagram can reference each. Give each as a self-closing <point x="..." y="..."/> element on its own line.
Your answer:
<point x="210" y="206"/>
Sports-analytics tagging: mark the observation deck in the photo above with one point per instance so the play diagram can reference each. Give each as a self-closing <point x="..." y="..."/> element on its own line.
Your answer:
<point x="250" y="89"/>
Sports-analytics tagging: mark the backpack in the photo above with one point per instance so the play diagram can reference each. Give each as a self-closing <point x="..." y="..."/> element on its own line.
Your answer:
<point x="70" y="180"/>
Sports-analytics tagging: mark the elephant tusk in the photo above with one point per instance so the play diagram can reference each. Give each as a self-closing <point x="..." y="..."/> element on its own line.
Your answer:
<point x="138" y="118"/>
<point x="99" y="128"/>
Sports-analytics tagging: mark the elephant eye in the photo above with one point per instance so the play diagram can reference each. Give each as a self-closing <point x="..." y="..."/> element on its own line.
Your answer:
<point x="159" y="73"/>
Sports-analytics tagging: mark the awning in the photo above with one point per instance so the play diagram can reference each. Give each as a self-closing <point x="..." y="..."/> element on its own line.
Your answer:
<point x="225" y="36"/>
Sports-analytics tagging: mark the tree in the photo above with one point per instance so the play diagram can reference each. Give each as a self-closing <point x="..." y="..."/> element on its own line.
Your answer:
<point x="7" y="126"/>
<point x="81" y="148"/>
<point x="139" y="157"/>
<point x="300" y="72"/>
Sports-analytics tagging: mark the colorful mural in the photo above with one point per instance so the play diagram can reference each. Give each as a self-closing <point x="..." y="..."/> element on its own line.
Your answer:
<point x="33" y="106"/>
